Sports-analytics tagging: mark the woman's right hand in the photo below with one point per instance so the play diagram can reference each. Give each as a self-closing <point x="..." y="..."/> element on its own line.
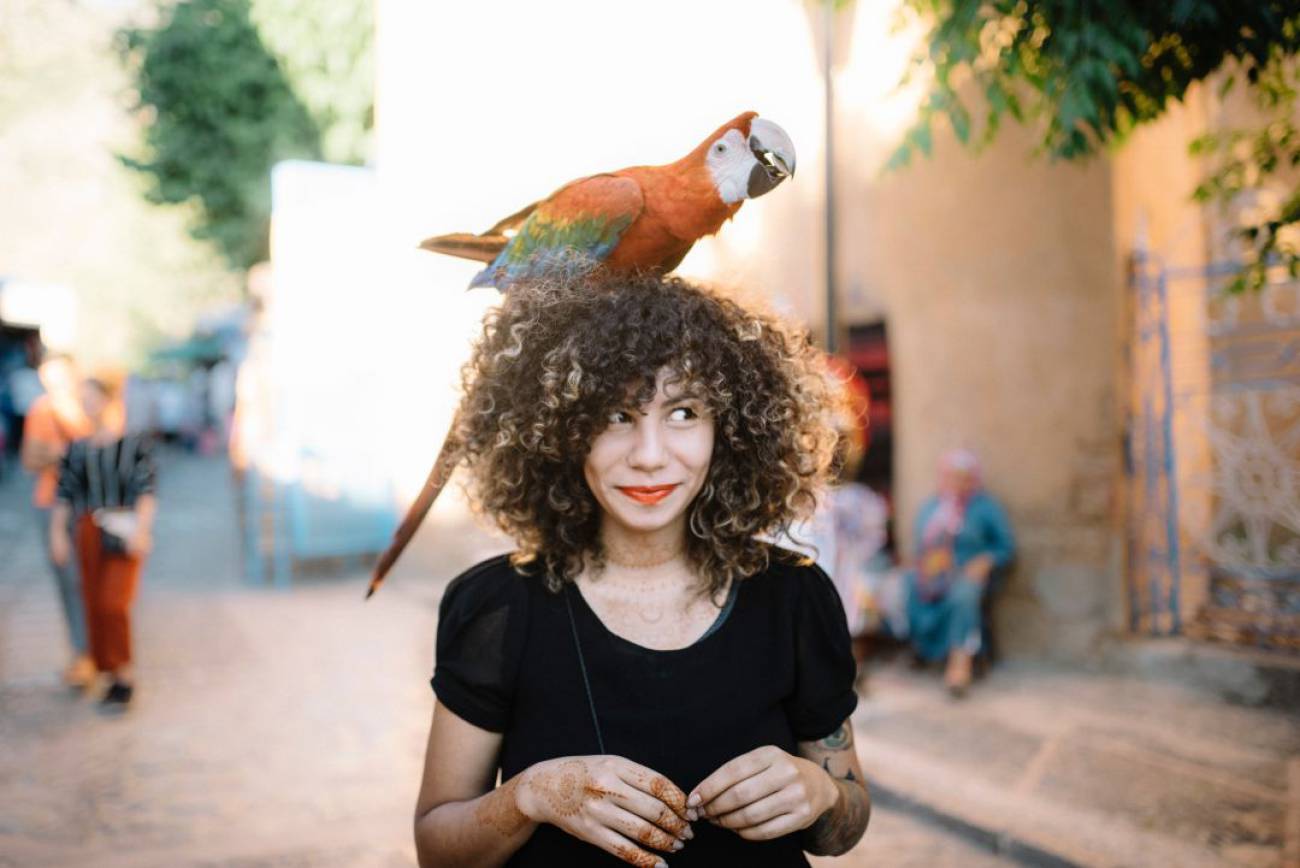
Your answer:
<point x="610" y="802"/>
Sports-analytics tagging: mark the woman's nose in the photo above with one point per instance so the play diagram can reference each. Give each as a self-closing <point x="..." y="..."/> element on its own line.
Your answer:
<point x="648" y="451"/>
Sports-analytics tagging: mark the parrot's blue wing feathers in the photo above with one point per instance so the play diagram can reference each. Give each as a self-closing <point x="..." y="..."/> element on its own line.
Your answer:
<point x="578" y="225"/>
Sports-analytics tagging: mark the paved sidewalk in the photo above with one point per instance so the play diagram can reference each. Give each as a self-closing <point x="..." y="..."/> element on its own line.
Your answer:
<point x="1064" y="767"/>
<point x="271" y="728"/>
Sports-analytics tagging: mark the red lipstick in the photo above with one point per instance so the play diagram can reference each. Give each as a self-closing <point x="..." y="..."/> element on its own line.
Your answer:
<point x="647" y="494"/>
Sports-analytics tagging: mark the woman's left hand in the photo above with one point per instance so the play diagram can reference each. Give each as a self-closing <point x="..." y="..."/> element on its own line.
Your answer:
<point x="764" y="794"/>
<point x="140" y="543"/>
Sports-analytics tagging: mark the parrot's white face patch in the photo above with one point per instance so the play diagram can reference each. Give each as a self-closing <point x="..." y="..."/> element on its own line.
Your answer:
<point x="730" y="163"/>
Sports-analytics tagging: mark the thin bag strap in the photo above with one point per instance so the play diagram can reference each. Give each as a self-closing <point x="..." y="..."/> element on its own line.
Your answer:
<point x="582" y="664"/>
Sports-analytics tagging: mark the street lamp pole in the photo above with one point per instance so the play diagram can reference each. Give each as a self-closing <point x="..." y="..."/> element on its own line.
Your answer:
<point x="828" y="34"/>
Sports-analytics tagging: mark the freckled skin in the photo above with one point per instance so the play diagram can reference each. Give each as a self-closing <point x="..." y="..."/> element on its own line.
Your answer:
<point x="673" y="618"/>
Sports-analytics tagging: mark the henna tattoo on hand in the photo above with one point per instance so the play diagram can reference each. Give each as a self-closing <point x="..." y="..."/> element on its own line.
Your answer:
<point x="566" y="787"/>
<point x="667" y="792"/>
<point x="633" y="856"/>
<point x="500" y="812"/>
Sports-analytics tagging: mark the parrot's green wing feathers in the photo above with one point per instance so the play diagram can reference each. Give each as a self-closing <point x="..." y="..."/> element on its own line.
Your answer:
<point x="581" y="222"/>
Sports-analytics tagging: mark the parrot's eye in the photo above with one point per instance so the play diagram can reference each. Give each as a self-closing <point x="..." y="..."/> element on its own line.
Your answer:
<point x="720" y="148"/>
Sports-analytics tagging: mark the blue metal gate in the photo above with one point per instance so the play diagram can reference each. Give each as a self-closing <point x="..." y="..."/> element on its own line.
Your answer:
<point x="1213" y="457"/>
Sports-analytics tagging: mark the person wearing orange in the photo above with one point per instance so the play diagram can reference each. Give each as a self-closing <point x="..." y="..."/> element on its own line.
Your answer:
<point x="53" y="421"/>
<point x="106" y="487"/>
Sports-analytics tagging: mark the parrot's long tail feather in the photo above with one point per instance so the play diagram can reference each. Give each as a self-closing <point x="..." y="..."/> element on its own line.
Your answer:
<point x="443" y="465"/>
<point x="514" y="221"/>
<point x="466" y="245"/>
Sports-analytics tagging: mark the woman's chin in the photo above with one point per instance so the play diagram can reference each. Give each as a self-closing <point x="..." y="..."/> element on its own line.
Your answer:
<point x="645" y="519"/>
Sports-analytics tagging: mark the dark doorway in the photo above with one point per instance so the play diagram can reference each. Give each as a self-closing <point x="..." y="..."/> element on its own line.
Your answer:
<point x="868" y="350"/>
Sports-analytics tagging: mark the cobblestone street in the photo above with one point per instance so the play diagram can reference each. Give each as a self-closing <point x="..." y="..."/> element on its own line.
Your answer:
<point x="270" y="728"/>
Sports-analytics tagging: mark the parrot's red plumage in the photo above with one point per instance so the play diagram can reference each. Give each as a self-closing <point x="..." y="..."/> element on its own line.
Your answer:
<point x="639" y="218"/>
<point x="682" y="205"/>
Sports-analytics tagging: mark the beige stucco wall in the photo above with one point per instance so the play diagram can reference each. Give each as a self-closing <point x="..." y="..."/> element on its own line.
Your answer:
<point x="996" y="274"/>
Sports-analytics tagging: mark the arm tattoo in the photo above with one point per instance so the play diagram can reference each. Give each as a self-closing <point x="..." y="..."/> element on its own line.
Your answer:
<point x="836" y="831"/>
<point x="839" y="739"/>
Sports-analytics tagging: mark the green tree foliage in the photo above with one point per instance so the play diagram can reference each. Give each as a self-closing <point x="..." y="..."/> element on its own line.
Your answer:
<point x="73" y="215"/>
<point x="219" y="112"/>
<point x="326" y="48"/>
<point x="1086" y="72"/>
<point x="1245" y="158"/>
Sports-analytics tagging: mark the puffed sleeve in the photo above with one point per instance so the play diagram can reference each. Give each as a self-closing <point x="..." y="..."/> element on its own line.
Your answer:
<point x="824" y="667"/>
<point x="482" y="622"/>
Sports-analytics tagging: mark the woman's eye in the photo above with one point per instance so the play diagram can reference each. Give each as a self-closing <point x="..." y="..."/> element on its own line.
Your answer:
<point x="619" y="417"/>
<point x="683" y="414"/>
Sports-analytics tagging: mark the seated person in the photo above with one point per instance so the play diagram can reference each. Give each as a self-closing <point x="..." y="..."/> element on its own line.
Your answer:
<point x="962" y="538"/>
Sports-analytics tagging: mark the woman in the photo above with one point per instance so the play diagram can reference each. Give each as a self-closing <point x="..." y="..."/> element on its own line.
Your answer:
<point x="647" y="676"/>
<point x="963" y="540"/>
<point x="106" y="487"/>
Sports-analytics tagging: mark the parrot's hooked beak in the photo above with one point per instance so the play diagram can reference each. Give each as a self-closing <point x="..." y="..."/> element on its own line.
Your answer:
<point x="774" y="151"/>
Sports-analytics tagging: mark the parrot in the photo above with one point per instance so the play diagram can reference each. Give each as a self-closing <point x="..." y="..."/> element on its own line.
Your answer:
<point x="642" y="218"/>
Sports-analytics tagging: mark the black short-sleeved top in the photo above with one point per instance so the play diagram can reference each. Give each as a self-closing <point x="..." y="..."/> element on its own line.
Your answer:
<point x="778" y="669"/>
<point x="114" y="474"/>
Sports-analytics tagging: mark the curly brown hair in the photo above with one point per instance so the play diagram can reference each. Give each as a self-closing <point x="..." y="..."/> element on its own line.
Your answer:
<point x="555" y="359"/>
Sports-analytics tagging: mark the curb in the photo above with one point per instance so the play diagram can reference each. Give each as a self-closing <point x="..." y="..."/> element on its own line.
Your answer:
<point x="995" y="841"/>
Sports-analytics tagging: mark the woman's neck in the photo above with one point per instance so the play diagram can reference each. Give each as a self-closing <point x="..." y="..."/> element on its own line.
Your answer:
<point x="632" y="549"/>
<point x="101" y="432"/>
